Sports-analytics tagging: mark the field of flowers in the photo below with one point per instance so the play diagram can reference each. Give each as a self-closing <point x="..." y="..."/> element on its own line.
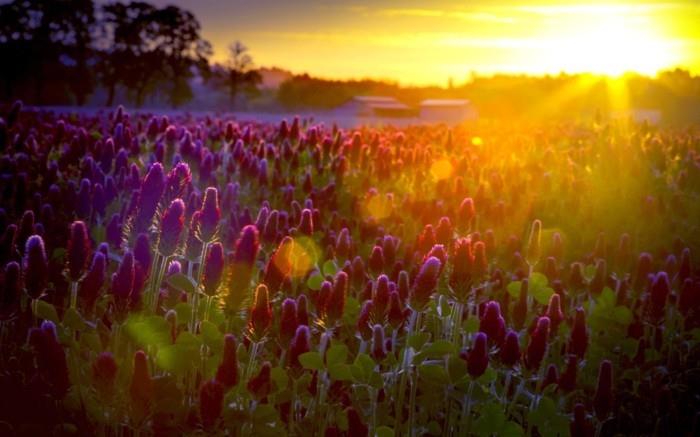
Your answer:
<point x="188" y="275"/>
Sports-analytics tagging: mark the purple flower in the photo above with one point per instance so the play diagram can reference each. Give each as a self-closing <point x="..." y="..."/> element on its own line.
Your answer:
<point x="425" y="283"/>
<point x="478" y="356"/>
<point x="104" y="373"/>
<point x="510" y="353"/>
<point x="378" y="345"/>
<point x="171" y="226"/>
<point x="36" y="266"/>
<point x="78" y="250"/>
<point x="578" y="341"/>
<point x="306" y="224"/>
<point x="151" y="191"/>
<point x="603" y="399"/>
<point x="227" y="372"/>
<point x="123" y="281"/>
<point x="261" y="313"/>
<point x="11" y="286"/>
<point x="537" y="347"/>
<point x="94" y="279"/>
<point x="492" y="322"/>
<point x="364" y="319"/>
<point x="336" y="301"/>
<point x="288" y="320"/>
<point x="211" y="402"/>
<point x="213" y="269"/>
<point x="301" y="343"/>
<point x="210" y="215"/>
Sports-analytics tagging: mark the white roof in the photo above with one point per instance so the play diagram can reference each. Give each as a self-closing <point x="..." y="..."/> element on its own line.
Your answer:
<point x="444" y="102"/>
<point x="375" y="99"/>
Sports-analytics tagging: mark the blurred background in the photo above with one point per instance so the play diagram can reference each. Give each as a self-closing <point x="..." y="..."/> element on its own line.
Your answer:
<point x="447" y="61"/>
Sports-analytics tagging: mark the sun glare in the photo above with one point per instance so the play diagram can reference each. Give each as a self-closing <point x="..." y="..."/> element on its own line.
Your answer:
<point x="613" y="45"/>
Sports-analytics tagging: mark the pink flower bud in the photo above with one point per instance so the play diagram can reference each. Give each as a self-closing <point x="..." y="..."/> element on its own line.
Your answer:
<point x="478" y="356"/>
<point x="210" y="215"/>
<point x="425" y="283"/>
<point x="227" y="372"/>
<point x="78" y="250"/>
<point x="301" y="343"/>
<point x="537" y="348"/>
<point x="261" y="313"/>
<point x="213" y="269"/>
<point x="171" y="226"/>
<point x="603" y="399"/>
<point x="211" y="402"/>
<point x="288" y="320"/>
<point x="510" y="353"/>
<point x="378" y="346"/>
<point x="578" y="341"/>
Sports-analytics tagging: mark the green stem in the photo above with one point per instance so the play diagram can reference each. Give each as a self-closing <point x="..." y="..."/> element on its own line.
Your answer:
<point x="74" y="294"/>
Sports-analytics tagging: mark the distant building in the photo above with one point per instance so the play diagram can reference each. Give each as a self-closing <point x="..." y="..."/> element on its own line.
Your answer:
<point x="447" y="110"/>
<point x="376" y="106"/>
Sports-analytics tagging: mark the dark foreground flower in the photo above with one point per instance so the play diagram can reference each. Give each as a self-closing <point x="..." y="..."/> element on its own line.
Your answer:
<point x="261" y="313"/>
<point x="425" y="283"/>
<point x="78" y="250"/>
<point x="478" y="356"/>
<point x="211" y="402"/>
<point x="227" y="372"/>
<point x="171" y="226"/>
<point x="603" y="399"/>
<point x="36" y="266"/>
<point x="213" y="269"/>
<point x="537" y="347"/>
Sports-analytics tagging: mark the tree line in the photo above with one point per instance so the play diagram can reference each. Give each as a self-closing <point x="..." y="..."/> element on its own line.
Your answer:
<point x="61" y="51"/>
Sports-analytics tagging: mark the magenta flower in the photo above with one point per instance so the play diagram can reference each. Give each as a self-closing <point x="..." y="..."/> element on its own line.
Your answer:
<point x="211" y="402"/>
<point x="537" y="348"/>
<point x="492" y="322"/>
<point x="288" y="320"/>
<point x="213" y="269"/>
<point x="301" y="343"/>
<point x="510" y="352"/>
<point x="36" y="266"/>
<point x="425" y="283"/>
<point x="261" y="313"/>
<point x="578" y="340"/>
<point x="171" y="226"/>
<point x="227" y="372"/>
<point x="603" y="399"/>
<point x="336" y="301"/>
<point x="478" y="356"/>
<point x="210" y="215"/>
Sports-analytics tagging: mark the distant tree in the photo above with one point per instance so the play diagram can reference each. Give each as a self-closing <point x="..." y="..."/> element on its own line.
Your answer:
<point x="146" y="48"/>
<point x="240" y="73"/>
<point x="46" y="45"/>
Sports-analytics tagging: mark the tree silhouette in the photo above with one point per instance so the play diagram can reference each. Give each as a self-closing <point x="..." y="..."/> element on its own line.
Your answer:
<point x="240" y="73"/>
<point x="148" y="48"/>
<point x="47" y="45"/>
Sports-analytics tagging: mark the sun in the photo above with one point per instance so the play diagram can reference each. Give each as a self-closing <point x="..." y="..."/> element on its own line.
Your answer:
<point x="613" y="44"/>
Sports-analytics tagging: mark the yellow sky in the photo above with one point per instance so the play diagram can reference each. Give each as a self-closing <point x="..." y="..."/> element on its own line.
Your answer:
<point x="429" y="42"/>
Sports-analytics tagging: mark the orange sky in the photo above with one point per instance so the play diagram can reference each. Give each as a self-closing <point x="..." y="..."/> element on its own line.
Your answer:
<point x="428" y="42"/>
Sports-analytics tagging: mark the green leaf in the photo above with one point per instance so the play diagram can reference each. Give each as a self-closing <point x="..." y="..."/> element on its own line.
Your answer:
<point x="511" y="429"/>
<point x="72" y="319"/>
<point x="439" y="349"/>
<point x="384" y="431"/>
<point x="491" y="419"/>
<point x="351" y="310"/>
<point x="265" y="413"/>
<point x="311" y="360"/>
<point x="417" y="340"/>
<point x="184" y="312"/>
<point x="329" y="268"/>
<point x="148" y="331"/>
<point x="514" y="288"/>
<point x="365" y="362"/>
<point x="488" y="377"/>
<point x="314" y="282"/>
<point x="46" y="311"/>
<point x="279" y="377"/>
<point x="177" y="359"/>
<point x="340" y="372"/>
<point x="433" y="374"/>
<point x="211" y="336"/>
<point x="456" y="368"/>
<point x="182" y="282"/>
<point x="471" y="325"/>
<point x="337" y="354"/>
